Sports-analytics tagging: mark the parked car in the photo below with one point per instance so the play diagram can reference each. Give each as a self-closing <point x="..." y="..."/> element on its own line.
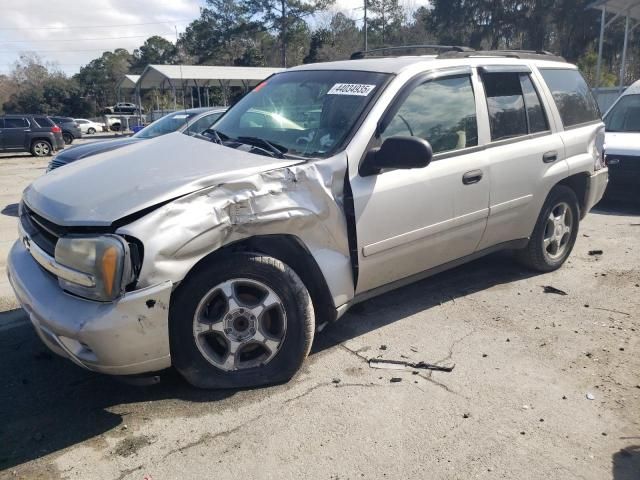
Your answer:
<point x="124" y="107"/>
<point x="622" y="145"/>
<point x="223" y="258"/>
<point x="190" y="121"/>
<point x="89" y="127"/>
<point x="70" y="129"/>
<point x="30" y="133"/>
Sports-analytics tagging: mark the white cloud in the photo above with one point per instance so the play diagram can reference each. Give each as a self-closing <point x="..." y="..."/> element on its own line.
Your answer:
<point x="29" y="26"/>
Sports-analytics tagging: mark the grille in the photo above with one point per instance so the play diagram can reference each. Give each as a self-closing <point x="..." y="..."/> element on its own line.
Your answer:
<point x="44" y="233"/>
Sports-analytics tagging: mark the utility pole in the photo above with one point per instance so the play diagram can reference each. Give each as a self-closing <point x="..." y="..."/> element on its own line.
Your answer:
<point x="284" y="34"/>
<point x="366" y="40"/>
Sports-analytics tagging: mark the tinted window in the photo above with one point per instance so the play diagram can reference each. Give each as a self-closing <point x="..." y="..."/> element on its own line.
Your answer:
<point x="507" y="115"/>
<point x="625" y="115"/>
<point x="535" y="112"/>
<point x="203" y="123"/>
<point x="43" y="121"/>
<point x="15" y="123"/>
<point x="572" y="96"/>
<point x="443" y="112"/>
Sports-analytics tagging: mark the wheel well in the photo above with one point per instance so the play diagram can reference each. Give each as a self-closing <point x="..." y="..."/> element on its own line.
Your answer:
<point x="578" y="183"/>
<point x="39" y="139"/>
<point x="291" y="251"/>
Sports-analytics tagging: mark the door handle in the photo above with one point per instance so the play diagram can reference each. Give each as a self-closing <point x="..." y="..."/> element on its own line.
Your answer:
<point x="474" y="176"/>
<point x="550" y="157"/>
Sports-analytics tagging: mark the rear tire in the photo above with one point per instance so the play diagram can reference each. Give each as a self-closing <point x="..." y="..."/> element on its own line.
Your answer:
<point x="41" y="148"/>
<point x="555" y="232"/>
<point x="243" y="321"/>
<point x="68" y="138"/>
<point x="91" y="131"/>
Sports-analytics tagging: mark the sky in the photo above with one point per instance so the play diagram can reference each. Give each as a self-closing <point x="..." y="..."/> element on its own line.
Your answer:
<point x="71" y="33"/>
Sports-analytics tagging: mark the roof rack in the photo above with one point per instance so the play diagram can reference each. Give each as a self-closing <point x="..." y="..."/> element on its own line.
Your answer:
<point x="445" y="48"/>
<point x="522" y="54"/>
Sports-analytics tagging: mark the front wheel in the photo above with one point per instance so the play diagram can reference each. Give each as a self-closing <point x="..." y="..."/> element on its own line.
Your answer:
<point x="555" y="232"/>
<point x="244" y="321"/>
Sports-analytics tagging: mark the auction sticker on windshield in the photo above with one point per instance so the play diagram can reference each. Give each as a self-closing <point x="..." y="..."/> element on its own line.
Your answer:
<point x="358" y="89"/>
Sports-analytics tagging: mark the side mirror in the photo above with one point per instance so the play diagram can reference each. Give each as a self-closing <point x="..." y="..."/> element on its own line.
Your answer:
<point x="397" y="153"/>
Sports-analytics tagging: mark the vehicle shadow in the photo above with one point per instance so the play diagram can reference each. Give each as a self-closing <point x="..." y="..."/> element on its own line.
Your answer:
<point x="481" y="274"/>
<point x="626" y="463"/>
<point x="611" y="206"/>
<point x="48" y="404"/>
<point x="10" y="210"/>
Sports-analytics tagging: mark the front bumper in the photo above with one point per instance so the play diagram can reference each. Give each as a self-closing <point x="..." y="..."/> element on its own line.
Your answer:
<point x="596" y="186"/>
<point x="125" y="337"/>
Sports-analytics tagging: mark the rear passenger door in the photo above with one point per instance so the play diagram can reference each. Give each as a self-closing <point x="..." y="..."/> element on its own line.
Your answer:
<point x="525" y="152"/>
<point x="409" y="221"/>
<point x="14" y="133"/>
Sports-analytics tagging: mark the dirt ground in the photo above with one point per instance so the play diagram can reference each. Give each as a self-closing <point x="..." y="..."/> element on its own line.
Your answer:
<point x="545" y="386"/>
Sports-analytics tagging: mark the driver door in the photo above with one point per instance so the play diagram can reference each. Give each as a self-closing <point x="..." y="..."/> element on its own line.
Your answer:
<point x="409" y="221"/>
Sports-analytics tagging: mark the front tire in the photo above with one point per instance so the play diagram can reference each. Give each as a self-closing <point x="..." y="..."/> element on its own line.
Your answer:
<point x="555" y="232"/>
<point x="243" y="321"/>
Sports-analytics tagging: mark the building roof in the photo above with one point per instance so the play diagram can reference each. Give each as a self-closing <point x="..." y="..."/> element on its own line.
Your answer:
<point x="165" y="76"/>
<point x="619" y="7"/>
<point x="128" y="82"/>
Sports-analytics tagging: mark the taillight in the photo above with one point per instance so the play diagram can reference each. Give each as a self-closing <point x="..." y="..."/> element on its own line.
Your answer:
<point x="55" y="129"/>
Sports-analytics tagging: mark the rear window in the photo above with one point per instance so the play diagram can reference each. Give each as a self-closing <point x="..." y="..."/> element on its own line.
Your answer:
<point x="572" y="96"/>
<point x="43" y="122"/>
<point x="625" y="115"/>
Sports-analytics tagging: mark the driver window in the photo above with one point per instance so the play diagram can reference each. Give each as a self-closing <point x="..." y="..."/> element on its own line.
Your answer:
<point x="441" y="111"/>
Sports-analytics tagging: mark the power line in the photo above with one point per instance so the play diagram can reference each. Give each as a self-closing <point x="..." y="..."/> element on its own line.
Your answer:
<point x="60" y="51"/>
<point x="171" y="22"/>
<point x="81" y="39"/>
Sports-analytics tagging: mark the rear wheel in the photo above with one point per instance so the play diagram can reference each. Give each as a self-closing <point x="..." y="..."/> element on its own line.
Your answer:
<point x="555" y="232"/>
<point x="244" y="321"/>
<point x="41" y="148"/>
<point x="67" y="137"/>
<point x="91" y="130"/>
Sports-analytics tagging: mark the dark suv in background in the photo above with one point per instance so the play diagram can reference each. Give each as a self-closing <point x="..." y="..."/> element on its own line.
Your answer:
<point x="30" y="133"/>
<point x="70" y="129"/>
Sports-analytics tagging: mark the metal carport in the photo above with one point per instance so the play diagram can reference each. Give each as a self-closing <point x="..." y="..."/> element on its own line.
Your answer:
<point x="201" y="77"/>
<point x="128" y="82"/>
<point x="630" y="9"/>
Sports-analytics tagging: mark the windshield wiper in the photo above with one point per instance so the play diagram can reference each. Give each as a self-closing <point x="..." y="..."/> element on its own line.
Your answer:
<point x="213" y="134"/>
<point x="277" y="150"/>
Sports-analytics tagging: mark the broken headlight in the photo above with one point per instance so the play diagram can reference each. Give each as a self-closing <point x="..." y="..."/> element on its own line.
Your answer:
<point x="105" y="260"/>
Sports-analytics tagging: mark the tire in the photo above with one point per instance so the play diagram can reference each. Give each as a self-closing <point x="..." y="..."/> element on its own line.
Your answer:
<point x="555" y="232"/>
<point x="201" y="350"/>
<point x="68" y="138"/>
<point x="115" y="127"/>
<point x="91" y="130"/>
<point x="41" y="148"/>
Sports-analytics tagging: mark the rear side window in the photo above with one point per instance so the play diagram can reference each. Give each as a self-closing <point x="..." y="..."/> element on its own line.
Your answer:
<point x="572" y="96"/>
<point x="43" y="122"/>
<point x="507" y="114"/>
<point x="536" y="116"/>
<point x="441" y="111"/>
<point x="15" y="123"/>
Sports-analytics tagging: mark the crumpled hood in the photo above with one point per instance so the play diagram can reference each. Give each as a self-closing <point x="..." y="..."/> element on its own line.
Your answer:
<point x="111" y="185"/>
<point x="76" y="152"/>
<point x="622" y="143"/>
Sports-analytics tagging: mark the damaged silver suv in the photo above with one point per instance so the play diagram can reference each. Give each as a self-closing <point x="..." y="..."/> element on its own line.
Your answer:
<point x="326" y="185"/>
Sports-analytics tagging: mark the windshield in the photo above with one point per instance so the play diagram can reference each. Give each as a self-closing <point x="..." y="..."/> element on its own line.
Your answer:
<point x="625" y="115"/>
<point x="305" y="113"/>
<point x="167" y="124"/>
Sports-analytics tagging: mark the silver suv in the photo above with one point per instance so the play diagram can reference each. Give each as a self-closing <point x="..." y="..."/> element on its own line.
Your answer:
<point x="326" y="185"/>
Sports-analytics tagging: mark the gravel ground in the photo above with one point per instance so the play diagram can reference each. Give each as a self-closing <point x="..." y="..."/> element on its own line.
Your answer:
<point x="515" y="406"/>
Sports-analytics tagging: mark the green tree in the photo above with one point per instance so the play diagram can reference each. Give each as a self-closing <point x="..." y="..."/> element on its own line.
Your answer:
<point x="286" y="18"/>
<point x="386" y="20"/>
<point x="155" y="50"/>
<point x="100" y="77"/>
